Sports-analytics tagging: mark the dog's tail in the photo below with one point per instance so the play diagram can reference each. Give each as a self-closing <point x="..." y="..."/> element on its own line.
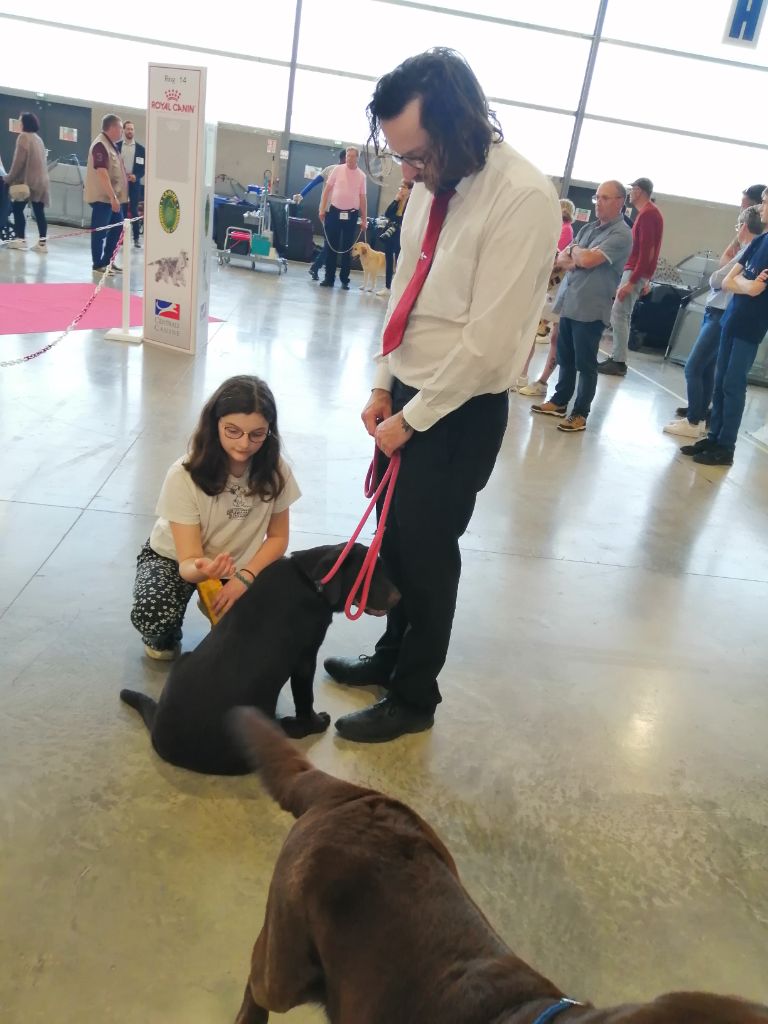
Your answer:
<point x="142" y="703"/>
<point x="287" y="775"/>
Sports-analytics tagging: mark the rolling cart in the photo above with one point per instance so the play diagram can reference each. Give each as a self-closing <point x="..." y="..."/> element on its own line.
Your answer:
<point x="253" y="243"/>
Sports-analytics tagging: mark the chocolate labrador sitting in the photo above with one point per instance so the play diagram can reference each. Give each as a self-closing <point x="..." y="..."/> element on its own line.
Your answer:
<point x="367" y="917"/>
<point x="272" y="634"/>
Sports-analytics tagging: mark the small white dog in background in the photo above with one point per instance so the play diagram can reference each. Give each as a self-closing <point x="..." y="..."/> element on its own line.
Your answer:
<point x="373" y="263"/>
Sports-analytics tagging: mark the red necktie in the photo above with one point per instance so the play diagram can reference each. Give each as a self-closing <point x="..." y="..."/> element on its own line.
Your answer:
<point x="395" y="329"/>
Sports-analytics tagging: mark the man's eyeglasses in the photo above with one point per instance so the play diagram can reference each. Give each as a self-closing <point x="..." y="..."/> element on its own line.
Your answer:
<point x="255" y="436"/>
<point x="418" y="164"/>
<point x="605" y="198"/>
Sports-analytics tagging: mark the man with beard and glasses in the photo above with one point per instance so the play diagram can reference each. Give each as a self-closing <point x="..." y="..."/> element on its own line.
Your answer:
<point x="478" y="238"/>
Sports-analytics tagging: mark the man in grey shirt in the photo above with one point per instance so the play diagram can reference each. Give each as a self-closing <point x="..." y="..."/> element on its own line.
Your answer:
<point x="594" y="263"/>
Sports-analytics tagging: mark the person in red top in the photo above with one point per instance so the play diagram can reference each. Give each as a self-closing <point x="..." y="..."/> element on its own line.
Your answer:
<point x="568" y="212"/>
<point x="647" y="232"/>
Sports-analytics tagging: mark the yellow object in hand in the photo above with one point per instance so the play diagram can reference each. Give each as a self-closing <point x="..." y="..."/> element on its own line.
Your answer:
<point x="208" y="589"/>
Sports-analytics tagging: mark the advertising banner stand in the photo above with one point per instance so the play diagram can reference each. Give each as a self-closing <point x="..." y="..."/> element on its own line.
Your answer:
<point x="178" y="208"/>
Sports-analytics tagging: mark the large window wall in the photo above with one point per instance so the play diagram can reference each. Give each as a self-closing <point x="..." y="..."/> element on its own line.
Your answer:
<point x="666" y="97"/>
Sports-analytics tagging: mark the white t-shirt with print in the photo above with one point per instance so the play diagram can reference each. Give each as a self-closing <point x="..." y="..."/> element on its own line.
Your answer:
<point x="232" y="521"/>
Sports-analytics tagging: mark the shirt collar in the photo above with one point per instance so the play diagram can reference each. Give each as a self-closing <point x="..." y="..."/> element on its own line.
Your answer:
<point x="608" y="223"/>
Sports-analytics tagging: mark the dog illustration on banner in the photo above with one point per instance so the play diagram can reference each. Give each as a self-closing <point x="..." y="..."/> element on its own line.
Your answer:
<point x="170" y="269"/>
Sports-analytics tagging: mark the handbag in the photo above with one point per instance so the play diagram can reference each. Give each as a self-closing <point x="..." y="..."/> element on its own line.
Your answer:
<point x="18" y="193"/>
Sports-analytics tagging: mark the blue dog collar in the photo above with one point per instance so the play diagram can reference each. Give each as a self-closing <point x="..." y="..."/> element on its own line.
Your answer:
<point x="552" y="1011"/>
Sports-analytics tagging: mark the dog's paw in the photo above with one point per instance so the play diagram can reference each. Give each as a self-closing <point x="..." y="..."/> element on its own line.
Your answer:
<point x="297" y="728"/>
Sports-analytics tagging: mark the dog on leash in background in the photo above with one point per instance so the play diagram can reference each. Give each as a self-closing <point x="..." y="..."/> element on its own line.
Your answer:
<point x="367" y="917"/>
<point x="373" y="263"/>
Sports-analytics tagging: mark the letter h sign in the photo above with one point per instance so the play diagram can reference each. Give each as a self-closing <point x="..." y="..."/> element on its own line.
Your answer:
<point x="744" y="22"/>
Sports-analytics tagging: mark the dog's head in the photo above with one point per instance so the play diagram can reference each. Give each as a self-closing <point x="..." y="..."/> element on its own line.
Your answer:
<point x="360" y="249"/>
<point x="314" y="563"/>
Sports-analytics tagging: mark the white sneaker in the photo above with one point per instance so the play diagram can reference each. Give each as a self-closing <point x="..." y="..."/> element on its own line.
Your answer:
<point x="17" y="243"/>
<point x="521" y="382"/>
<point x="167" y="655"/>
<point x="383" y="293"/>
<point x="40" y="247"/>
<point x="682" y="428"/>
<point x="535" y="390"/>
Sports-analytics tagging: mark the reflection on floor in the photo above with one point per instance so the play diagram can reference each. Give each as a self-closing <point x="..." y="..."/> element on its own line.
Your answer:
<point x="598" y="767"/>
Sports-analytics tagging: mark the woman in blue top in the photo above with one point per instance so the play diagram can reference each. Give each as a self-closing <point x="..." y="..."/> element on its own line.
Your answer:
<point x="743" y="327"/>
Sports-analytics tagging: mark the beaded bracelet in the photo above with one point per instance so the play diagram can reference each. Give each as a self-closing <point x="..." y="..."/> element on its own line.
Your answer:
<point x="244" y="579"/>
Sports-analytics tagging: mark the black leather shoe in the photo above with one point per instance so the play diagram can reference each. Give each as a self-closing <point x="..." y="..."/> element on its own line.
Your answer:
<point x="717" y="455"/>
<point x="384" y="721"/>
<point x="362" y="671"/>
<point x="313" y="273"/>
<point x="612" y="368"/>
<point x="702" y="445"/>
<point x="345" y="286"/>
<point x="682" y="412"/>
<point x="326" y="284"/>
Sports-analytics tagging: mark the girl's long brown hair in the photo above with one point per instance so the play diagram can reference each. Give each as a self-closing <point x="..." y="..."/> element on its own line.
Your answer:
<point x="208" y="464"/>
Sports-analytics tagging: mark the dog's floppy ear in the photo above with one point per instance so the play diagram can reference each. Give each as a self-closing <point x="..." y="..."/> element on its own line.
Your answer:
<point x="314" y="563"/>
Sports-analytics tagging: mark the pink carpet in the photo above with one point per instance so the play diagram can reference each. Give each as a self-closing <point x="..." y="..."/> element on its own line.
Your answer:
<point x="43" y="308"/>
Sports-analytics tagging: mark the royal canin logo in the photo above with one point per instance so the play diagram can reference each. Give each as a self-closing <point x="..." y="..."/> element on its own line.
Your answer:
<point x="171" y="102"/>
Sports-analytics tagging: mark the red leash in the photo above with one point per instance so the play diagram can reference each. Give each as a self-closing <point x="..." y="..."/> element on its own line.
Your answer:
<point x="365" y="575"/>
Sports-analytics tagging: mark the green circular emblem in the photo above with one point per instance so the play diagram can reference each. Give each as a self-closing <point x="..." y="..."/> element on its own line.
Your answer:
<point x="169" y="211"/>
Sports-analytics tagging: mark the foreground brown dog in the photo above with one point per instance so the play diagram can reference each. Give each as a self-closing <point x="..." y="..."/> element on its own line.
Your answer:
<point x="367" y="917"/>
<point x="373" y="263"/>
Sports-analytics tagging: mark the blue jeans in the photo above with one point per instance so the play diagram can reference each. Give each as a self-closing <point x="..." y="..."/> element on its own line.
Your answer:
<point x="103" y="243"/>
<point x="621" y="315"/>
<point x="700" y="366"/>
<point x="734" y="361"/>
<point x="319" y="260"/>
<point x="577" y="345"/>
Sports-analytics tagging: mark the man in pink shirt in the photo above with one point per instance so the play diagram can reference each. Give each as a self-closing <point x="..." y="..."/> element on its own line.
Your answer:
<point x="342" y="207"/>
<point x="647" y="231"/>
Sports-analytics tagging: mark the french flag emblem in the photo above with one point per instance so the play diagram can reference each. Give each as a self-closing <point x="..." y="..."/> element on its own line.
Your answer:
<point x="167" y="310"/>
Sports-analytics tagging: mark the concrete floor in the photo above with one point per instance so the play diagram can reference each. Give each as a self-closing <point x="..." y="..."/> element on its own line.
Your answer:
<point x="599" y="764"/>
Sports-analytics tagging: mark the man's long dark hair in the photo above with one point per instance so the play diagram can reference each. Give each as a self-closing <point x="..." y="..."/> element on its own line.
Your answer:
<point x="454" y="111"/>
<point x="208" y="464"/>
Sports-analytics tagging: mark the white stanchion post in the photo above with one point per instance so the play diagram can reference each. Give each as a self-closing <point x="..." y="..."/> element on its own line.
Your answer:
<point x="124" y="333"/>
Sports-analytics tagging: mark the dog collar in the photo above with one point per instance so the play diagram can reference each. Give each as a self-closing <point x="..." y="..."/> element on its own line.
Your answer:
<point x="552" y="1011"/>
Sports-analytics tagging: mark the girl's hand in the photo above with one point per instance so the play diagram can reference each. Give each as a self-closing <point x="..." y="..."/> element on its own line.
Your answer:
<point x="217" y="568"/>
<point x="232" y="591"/>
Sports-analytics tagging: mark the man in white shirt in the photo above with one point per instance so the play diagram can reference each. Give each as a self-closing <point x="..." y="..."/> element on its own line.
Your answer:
<point x="440" y="397"/>
<point x="342" y="207"/>
<point x="134" y="161"/>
